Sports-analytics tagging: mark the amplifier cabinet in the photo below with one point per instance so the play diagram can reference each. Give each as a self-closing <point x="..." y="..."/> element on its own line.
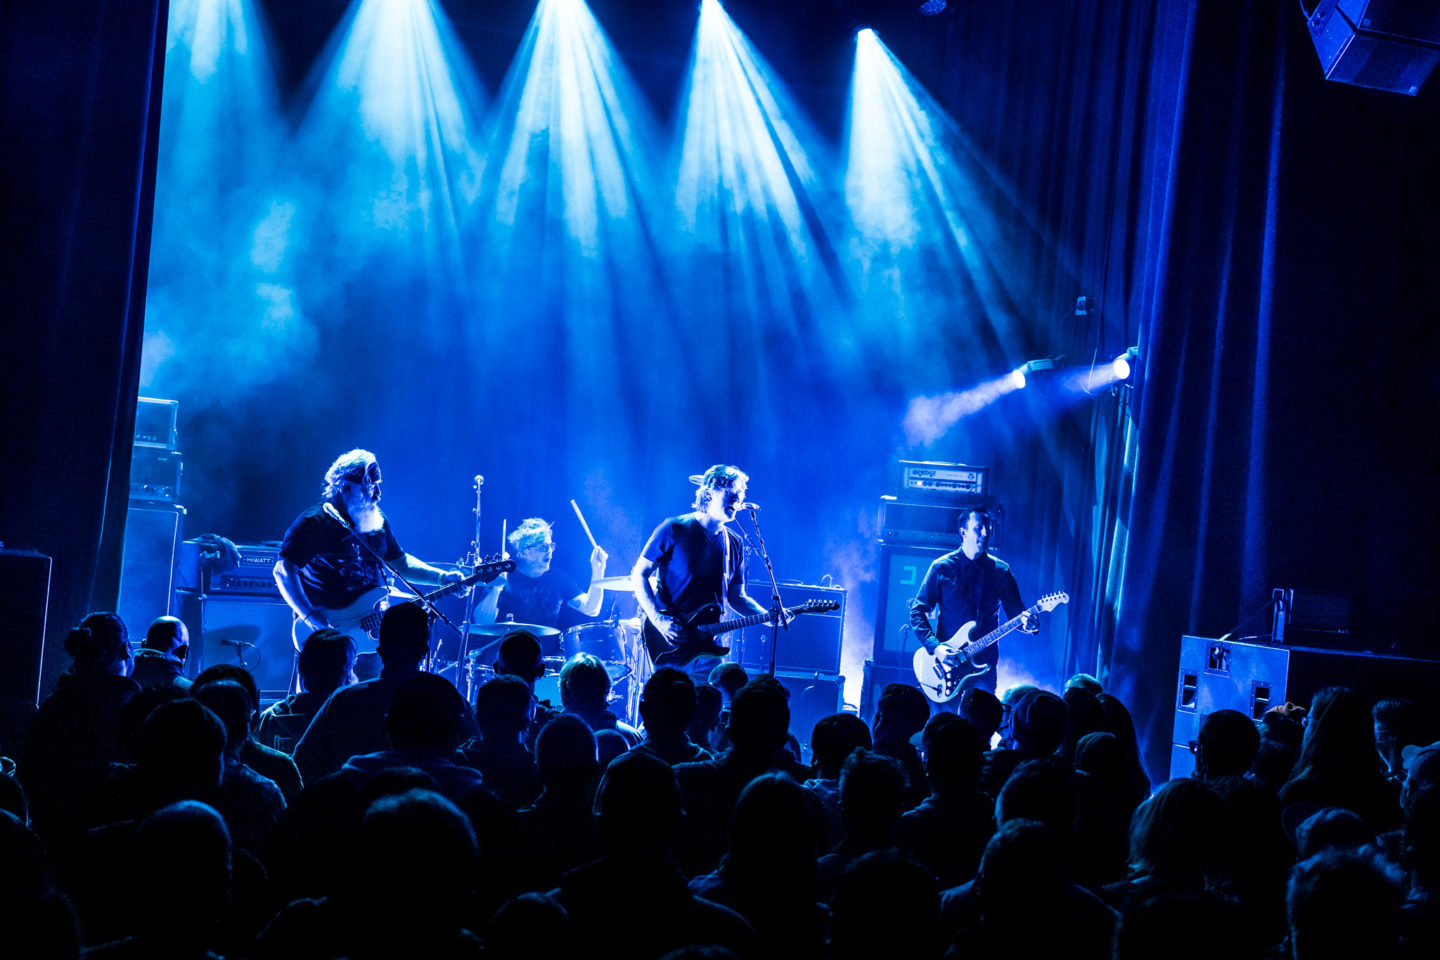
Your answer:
<point x="813" y="640"/>
<point x="251" y="632"/>
<point x="812" y="696"/>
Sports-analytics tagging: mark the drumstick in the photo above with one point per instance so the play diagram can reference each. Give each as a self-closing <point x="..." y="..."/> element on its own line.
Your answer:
<point x="504" y="522"/>
<point x="584" y="524"/>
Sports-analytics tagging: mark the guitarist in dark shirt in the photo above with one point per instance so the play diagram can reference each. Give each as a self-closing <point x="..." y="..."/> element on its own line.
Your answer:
<point x="964" y="585"/>
<point x="699" y="562"/>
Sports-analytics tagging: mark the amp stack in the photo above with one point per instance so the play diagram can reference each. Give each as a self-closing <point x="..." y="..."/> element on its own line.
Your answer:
<point x="234" y="611"/>
<point x="918" y="524"/>
<point x="154" y="523"/>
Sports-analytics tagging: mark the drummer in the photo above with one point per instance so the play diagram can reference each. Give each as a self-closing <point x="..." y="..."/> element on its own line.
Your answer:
<point x="534" y="591"/>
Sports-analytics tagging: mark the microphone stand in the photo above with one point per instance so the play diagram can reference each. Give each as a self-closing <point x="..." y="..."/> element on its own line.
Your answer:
<point x="776" y="607"/>
<point x="428" y="605"/>
<point x="471" y="559"/>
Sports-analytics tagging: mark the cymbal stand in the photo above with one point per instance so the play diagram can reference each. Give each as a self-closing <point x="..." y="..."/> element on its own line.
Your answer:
<point x="473" y="558"/>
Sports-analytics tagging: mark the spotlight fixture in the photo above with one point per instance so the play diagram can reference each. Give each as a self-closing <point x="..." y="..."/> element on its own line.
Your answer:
<point x="1020" y="375"/>
<point x="1120" y="366"/>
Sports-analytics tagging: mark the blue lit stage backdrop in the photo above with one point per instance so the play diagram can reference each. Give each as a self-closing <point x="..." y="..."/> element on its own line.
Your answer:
<point x="587" y="253"/>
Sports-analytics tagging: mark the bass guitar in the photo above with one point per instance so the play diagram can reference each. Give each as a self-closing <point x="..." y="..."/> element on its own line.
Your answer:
<point x="699" y="629"/>
<point x="361" y="619"/>
<point x="942" y="672"/>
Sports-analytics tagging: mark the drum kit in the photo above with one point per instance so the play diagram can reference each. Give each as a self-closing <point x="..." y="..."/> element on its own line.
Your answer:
<point x="615" y="642"/>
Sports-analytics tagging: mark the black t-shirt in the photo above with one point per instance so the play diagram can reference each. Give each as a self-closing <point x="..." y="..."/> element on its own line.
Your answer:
<point x="536" y="599"/>
<point x="693" y="563"/>
<point x="334" y="569"/>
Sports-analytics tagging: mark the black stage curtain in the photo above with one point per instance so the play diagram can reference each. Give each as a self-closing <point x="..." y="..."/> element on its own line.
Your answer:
<point x="1268" y="238"/>
<point x="80" y="120"/>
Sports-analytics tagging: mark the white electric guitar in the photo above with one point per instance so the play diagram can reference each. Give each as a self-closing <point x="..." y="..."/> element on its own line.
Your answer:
<point x="941" y="673"/>
<point x="361" y="619"/>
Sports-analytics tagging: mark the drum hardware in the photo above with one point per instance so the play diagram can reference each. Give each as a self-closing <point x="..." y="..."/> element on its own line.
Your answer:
<point x="507" y="627"/>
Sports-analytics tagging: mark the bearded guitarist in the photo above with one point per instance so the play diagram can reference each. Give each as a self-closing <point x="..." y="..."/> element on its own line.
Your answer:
<point x="698" y="563"/>
<point x="322" y="568"/>
<point x="968" y="585"/>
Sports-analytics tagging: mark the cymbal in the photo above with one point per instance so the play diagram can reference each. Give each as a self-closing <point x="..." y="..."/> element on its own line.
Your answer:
<point x="612" y="583"/>
<point x="505" y="628"/>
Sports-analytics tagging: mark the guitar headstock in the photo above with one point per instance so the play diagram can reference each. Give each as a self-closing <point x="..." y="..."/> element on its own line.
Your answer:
<point x="819" y="606"/>
<point x="1052" y="600"/>
<point x="491" y="569"/>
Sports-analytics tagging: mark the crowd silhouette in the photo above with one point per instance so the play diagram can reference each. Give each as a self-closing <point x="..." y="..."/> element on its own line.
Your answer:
<point x="148" y="817"/>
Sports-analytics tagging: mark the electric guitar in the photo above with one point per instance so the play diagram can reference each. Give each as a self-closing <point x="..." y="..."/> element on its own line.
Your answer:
<point x="361" y="619"/>
<point x="941" y="673"/>
<point x="698" y="630"/>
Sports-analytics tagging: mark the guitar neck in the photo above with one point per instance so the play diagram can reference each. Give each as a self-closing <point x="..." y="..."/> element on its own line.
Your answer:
<point x="725" y="626"/>
<point x="1002" y="631"/>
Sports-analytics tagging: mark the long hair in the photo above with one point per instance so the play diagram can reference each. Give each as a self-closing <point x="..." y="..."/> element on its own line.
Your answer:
<point x="350" y="465"/>
<point x="719" y="477"/>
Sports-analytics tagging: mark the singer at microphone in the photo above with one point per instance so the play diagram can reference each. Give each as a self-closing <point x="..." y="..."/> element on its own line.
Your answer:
<point x="323" y="566"/>
<point x="699" y="562"/>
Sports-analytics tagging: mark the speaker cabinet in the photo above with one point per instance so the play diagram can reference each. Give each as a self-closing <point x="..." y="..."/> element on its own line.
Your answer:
<point x="253" y="633"/>
<point x="147" y="567"/>
<point x="903" y="567"/>
<point x="25" y="597"/>
<point x="877" y="675"/>
<point x="1382" y="44"/>
<point x="813" y="640"/>
<point x="1252" y="677"/>
<point x="812" y="696"/>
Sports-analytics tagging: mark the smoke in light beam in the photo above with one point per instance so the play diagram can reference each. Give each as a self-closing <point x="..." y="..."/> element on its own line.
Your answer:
<point x="748" y="191"/>
<point x="927" y="419"/>
<point x="927" y="217"/>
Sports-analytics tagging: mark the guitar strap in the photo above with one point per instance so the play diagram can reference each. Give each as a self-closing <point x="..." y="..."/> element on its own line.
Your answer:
<point x="725" y="566"/>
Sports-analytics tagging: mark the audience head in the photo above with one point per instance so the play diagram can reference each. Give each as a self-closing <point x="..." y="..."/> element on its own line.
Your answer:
<point x="231" y="703"/>
<point x="1397" y="723"/>
<point x="1084" y="681"/>
<point x="1042" y="789"/>
<point x="834" y="738"/>
<point x="900" y="712"/>
<point x="237" y="674"/>
<point x="709" y="701"/>
<point x="168" y="635"/>
<point x="1226" y="746"/>
<point x="1083" y="715"/>
<point x="521" y="656"/>
<point x="417" y="857"/>
<point x="668" y="702"/>
<point x="100" y="645"/>
<point x="728" y="678"/>
<point x="565" y="753"/>
<point x="1172" y="835"/>
<point x="512" y="929"/>
<point x="954" y="753"/>
<point x="1026" y="862"/>
<point x="584" y="683"/>
<point x="760" y="717"/>
<point x="1339" y="738"/>
<point x="182" y="749"/>
<point x="426" y="715"/>
<point x="872" y="896"/>
<point x="872" y="792"/>
<point x="404" y="636"/>
<point x="325" y="661"/>
<point x="773" y="838"/>
<point x="1038" y="722"/>
<point x="503" y="708"/>
<point x="983" y="709"/>
<point x="638" y="803"/>
<point x="187" y="858"/>
<point x="1342" y="904"/>
<point x="1331" y="828"/>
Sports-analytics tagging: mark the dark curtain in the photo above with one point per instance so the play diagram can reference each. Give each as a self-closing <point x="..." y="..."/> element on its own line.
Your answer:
<point x="80" y="118"/>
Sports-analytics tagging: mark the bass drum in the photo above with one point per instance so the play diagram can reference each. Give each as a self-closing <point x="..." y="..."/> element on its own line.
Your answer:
<point x="603" y="640"/>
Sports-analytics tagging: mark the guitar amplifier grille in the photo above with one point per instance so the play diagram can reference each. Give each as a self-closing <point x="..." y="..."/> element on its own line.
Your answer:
<point x="812" y="642"/>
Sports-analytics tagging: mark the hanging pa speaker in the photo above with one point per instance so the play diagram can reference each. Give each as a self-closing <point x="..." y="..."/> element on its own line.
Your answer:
<point x="1389" y="45"/>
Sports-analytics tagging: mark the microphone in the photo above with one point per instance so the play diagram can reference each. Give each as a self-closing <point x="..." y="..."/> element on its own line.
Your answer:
<point x="479" y="480"/>
<point x="748" y="506"/>
<point x="330" y="509"/>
